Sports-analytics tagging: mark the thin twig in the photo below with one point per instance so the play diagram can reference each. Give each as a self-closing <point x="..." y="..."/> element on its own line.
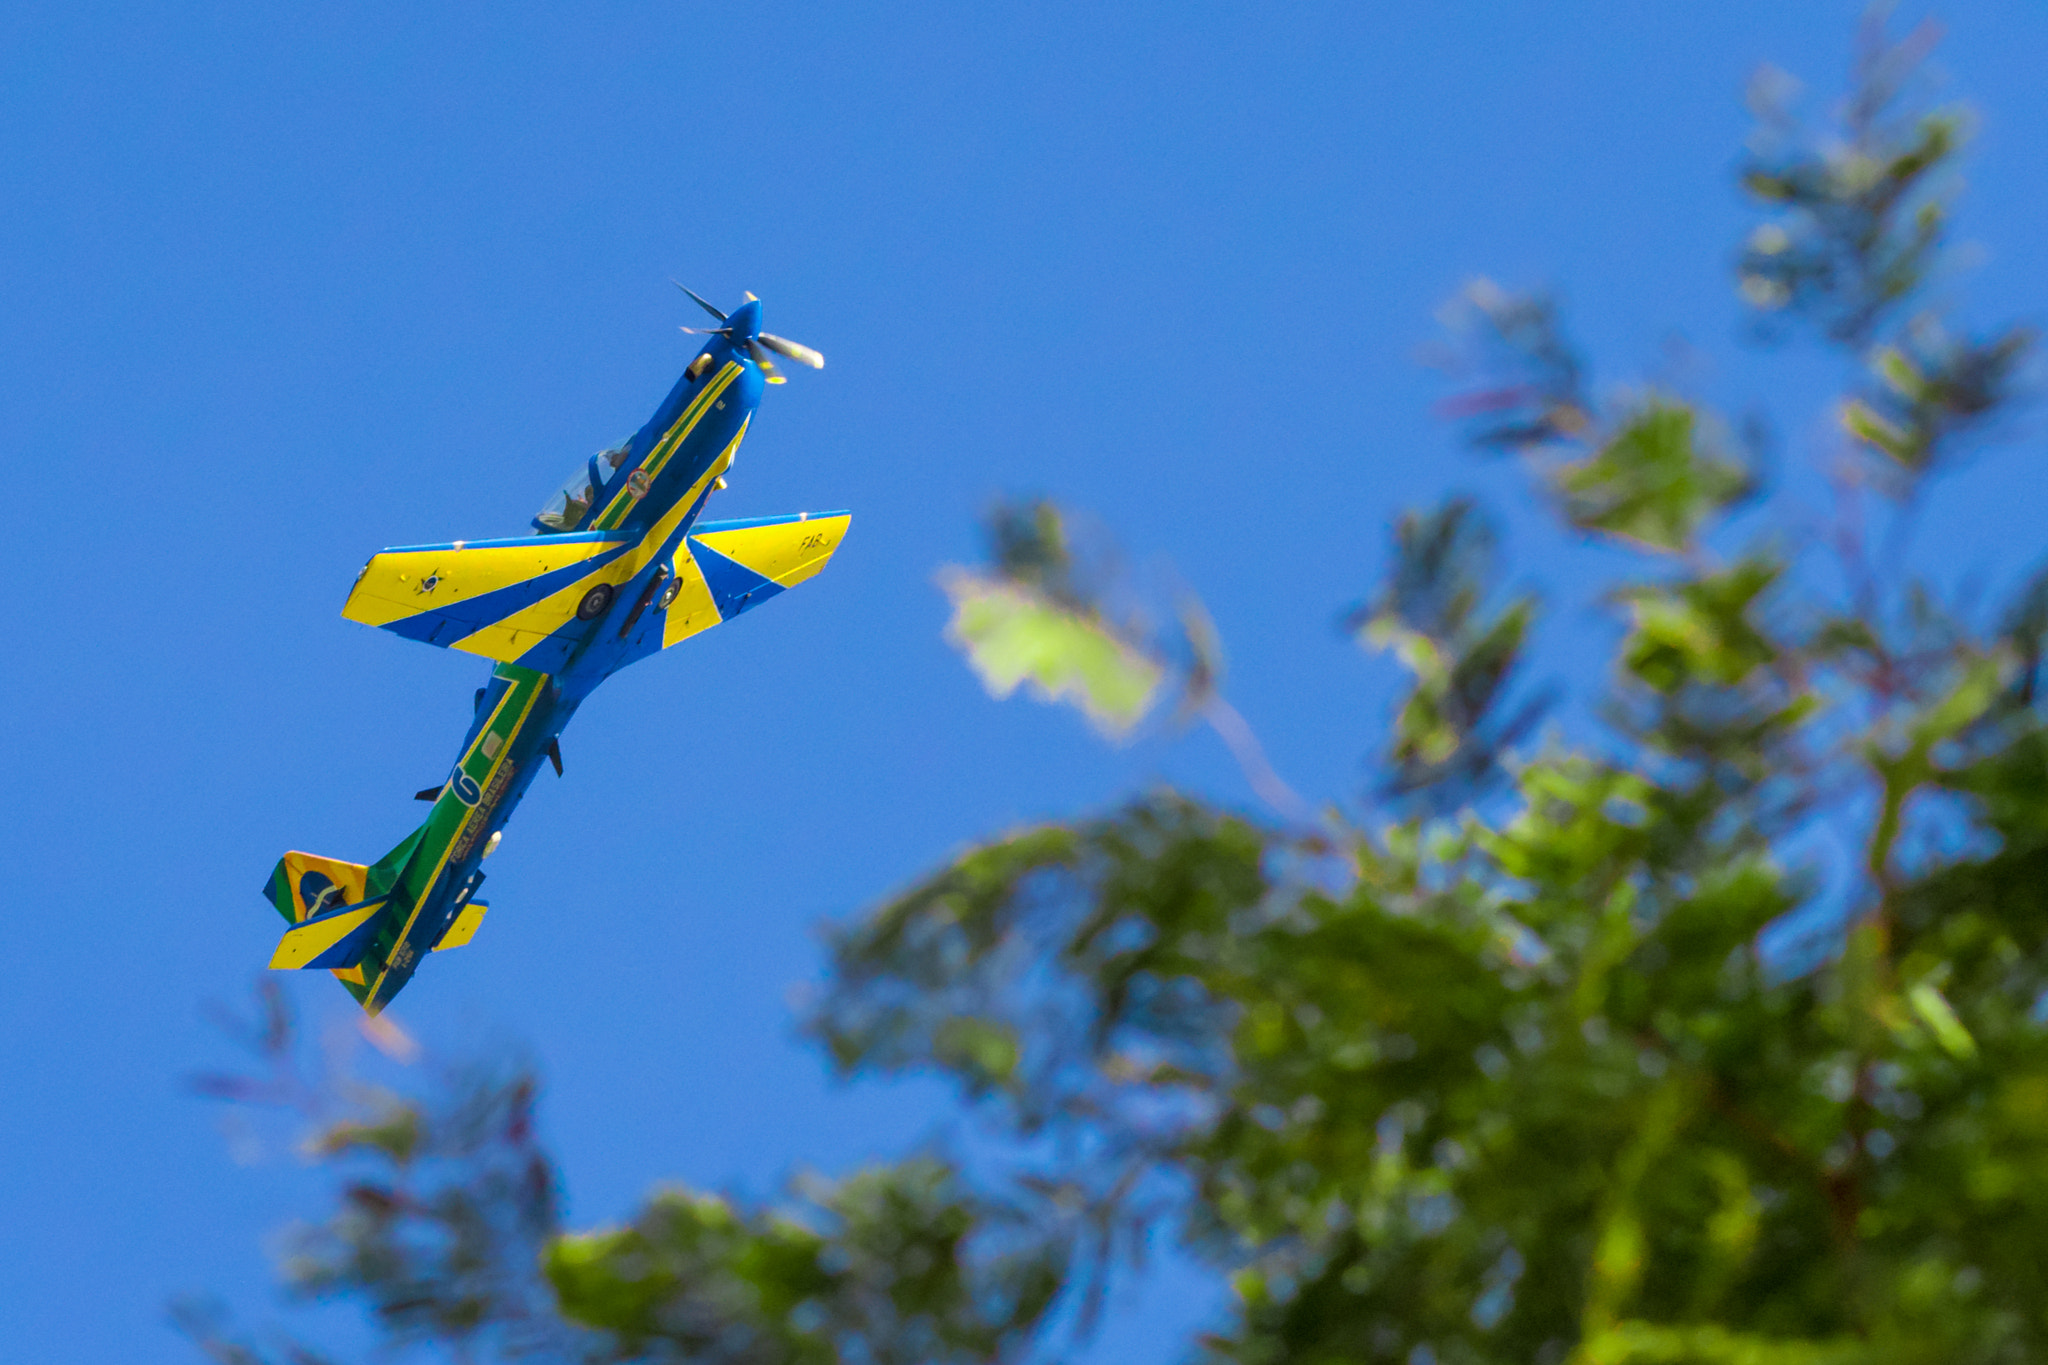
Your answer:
<point x="1244" y="746"/>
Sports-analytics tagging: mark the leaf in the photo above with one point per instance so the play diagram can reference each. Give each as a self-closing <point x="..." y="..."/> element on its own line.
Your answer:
<point x="1448" y="734"/>
<point x="1699" y="630"/>
<point x="984" y="1050"/>
<point x="1028" y="545"/>
<point x="1931" y="1007"/>
<point x="1531" y="381"/>
<point x="397" y="1135"/>
<point x="1014" y="636"/>
<point x="1644" y="1343"/>
<point x="1864" y="423"/>
<point x="1933" y="390"/>
<point x="1651" y="483"/>
<point x="874" y="1267"/>
<point x="1857" y="212"/>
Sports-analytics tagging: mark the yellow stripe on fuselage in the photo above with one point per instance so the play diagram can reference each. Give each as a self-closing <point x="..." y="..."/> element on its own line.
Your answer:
<point x="615" y="511"/>
<point x="477" y="812"/>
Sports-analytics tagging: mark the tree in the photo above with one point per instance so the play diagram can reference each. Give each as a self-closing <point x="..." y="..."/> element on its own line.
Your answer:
<point x="1550" y="1055"/>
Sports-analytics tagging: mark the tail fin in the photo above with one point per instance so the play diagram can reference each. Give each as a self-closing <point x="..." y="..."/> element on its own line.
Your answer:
<point x="305" y="887"/>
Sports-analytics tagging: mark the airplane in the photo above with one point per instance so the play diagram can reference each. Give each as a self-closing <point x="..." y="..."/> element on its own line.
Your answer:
<point x="621" y="568"/>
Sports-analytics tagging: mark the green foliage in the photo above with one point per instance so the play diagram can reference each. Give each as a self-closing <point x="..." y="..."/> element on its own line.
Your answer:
<point x="1856" y="217"/>
<point x="445" y="1200"/>
<point x="1563" y="1053"/>
<point x="880" y="1269"/>
<point x="1932" y="390"/>
<point x="1039" y="616"/>
<point x="1520" y="1085"/>
<point x="447" y="1234"/>
<point x="1431" y="616"/>
<point x="1702" y="630"/>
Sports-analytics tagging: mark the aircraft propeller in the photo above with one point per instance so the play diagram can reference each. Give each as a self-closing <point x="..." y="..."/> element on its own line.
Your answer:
<point x="758" y="343"/>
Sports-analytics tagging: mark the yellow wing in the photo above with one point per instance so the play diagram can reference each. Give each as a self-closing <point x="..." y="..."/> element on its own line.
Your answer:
<point x="502" y="599"/>
<point x="727" y="567"/>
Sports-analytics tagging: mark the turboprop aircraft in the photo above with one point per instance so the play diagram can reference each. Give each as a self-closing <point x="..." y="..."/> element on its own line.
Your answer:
<point x="621" y="568"/>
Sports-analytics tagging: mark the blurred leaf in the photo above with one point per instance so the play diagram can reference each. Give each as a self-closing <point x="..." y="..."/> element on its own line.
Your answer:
<point x="1027" y="545"/>
<point x="1447" y="734"/>
<point x="1650" y="483"/>
<point x="1700" y="629"/>
<point x="396" y="1134"/>
<point x="1934" y="1011"/>
<point x="887" y="1274"/>
<point x="1933" y="391"/>
<point x="1530" y="381"/>
<point x="1859" y="212"/>
<point x="1644" y="1343"/>
<point x="1012" y="636"/>
<point x="2024" y="629"/>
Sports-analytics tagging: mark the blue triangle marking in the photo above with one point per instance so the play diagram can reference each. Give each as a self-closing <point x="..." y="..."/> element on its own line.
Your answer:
<point x="734" y="587"/>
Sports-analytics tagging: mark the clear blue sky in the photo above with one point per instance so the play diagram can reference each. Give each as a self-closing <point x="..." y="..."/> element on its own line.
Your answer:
<point x="280" y="286"/>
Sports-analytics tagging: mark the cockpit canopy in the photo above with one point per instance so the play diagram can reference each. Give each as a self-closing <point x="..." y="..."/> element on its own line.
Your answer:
<point x="570" y="506"/>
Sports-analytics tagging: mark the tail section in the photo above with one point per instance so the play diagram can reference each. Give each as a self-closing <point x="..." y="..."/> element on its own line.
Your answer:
<point x="338" y="913"/>
<point x="303" y="885"/>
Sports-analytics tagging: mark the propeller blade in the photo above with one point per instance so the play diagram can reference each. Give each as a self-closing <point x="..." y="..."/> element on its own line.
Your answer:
<point x="793" y="350"/>
<point x="708" y="331"/>
<point x="752" y="297"/>
<point x="700" y="300"/>
<point x="768" y="370"/>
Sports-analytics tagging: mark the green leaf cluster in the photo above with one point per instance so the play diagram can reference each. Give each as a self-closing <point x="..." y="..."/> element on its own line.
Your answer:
<point x="878" y="1267"/>
<point x="1433" y="615"/>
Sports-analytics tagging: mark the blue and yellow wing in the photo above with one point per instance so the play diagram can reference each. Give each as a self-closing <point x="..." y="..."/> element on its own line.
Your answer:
<point x="515" y="600"/>
<point x="502" y="599"/>
<point x="727" y="567"/>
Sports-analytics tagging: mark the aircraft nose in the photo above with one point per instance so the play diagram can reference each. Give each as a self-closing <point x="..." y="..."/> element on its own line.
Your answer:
<point x="745" y="321"/>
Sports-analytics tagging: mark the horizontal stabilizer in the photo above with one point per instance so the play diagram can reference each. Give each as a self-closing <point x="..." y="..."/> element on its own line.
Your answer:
<point x="503" y="599"/>
<point x="463" y="927"/>
<point x="333" y="939"/>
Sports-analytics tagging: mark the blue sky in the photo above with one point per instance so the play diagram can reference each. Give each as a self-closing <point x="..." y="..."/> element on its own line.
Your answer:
<point x="283" y="286"/>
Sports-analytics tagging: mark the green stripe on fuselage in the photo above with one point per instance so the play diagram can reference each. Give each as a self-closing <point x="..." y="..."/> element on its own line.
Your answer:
<point x="453" y="832"/>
